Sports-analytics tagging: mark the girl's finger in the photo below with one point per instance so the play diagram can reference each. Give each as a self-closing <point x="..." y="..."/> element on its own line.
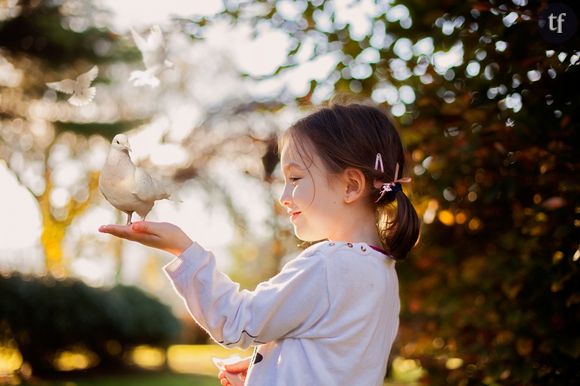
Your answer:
<point x="125" y="232"/>
<point x="116" y="230"/>
<point x="144" y="227"/>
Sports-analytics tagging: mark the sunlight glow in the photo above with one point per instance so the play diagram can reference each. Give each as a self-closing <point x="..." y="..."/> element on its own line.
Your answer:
<point x="431" y="211"/>
<point x="78" y="359"/>
<point x="262" y="55"/>
<point x="148" y="357"/>
<point x="357" y="15"/>
<point x="444" y="60"/>
<point x="18" y="205"/>
<point x="156" y="12"/>
<point x="453" y="363"/>
<point x="406" y="370"/>
<point x="9" y="75"/>
<point x="10" y="359"/>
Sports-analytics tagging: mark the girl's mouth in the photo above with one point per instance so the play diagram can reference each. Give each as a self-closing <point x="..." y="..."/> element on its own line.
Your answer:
<point x="294" y="215"/>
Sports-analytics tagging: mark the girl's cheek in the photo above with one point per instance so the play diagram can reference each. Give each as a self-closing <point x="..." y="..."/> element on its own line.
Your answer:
<point x="302" y="194"/>
<point x="294" y="191"/>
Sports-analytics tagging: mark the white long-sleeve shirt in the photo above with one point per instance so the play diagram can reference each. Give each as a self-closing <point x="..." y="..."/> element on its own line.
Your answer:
<point x="328" y="318"/>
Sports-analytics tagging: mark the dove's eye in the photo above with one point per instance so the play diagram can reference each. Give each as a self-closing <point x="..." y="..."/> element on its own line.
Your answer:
<point x="117" y="141"/>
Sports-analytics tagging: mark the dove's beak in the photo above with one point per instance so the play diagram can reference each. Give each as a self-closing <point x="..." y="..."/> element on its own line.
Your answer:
<point x="128" y="148"/>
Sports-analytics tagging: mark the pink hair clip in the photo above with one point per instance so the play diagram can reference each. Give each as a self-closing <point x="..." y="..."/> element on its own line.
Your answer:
<point x="392" y="186"/>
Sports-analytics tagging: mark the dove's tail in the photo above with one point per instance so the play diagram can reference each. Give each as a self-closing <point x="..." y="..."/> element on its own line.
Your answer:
<point x="168" y="194"/>
<point x="143" y="78"/>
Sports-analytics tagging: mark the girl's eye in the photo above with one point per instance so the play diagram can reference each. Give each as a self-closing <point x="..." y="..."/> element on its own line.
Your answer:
<point x="293" y="179"/>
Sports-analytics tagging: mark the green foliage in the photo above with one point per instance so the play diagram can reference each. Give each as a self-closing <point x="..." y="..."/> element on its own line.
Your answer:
<point x="43" y="30"/>
<point x="44" y="315"/>
<point x="107" y="130"/>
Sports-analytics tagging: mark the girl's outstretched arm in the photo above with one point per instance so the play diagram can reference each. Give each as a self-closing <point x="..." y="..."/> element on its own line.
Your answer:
<point x="287" y="305"/>
<point x="283" y="306"/>
<point x="161" y="235"/>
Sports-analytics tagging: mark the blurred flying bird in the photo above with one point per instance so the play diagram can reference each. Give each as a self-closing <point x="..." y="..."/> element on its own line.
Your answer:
<point x="154" y="57"/>
<point x="80" y="88"/>
<point x="127" y="187"/>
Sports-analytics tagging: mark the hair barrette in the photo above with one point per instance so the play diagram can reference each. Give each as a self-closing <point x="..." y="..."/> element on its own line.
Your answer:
<point x="393" y="186"/>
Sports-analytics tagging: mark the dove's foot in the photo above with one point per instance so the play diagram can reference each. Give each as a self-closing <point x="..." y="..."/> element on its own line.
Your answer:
<point x="129" y="215"/>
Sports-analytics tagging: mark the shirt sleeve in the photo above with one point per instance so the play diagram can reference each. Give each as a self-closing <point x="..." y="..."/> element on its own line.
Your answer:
<point x="287" y="305"/>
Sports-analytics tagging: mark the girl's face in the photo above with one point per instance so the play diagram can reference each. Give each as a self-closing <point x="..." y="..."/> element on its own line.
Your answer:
<point x="314" y="205"/>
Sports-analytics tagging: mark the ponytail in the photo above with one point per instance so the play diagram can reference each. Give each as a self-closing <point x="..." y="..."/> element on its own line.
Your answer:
<point x="400" y="233"/>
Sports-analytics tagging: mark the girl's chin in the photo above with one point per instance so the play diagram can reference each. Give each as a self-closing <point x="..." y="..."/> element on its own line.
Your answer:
<point x="308" y="238"/>
<point x="302" y="231"/>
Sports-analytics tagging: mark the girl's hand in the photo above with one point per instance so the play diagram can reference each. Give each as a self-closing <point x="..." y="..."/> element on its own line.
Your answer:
<point x="161" y="235"/>
<point x="240" y="369"/>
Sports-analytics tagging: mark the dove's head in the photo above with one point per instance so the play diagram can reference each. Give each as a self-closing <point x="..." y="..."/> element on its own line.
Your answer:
<point x="121" y="143"/>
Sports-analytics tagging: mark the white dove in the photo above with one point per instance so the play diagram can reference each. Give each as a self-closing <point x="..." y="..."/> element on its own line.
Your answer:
<point x="154" y="57"/>
<point x="80" y="88"/>
<point x="127" y="187"/>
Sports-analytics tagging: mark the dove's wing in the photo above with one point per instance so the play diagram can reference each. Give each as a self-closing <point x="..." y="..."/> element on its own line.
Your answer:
<point x="146" y="188"/>
<point x="67" y="86"/>
<point x="143" y="187"/>
<point x="152" y="48"/>
<point x="87" y="78"/>
<point x="139" y="41"/>
<point x="155" y="38"/>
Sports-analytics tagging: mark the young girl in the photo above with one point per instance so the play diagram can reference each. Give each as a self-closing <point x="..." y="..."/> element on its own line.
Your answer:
<point x="331" y="315"/>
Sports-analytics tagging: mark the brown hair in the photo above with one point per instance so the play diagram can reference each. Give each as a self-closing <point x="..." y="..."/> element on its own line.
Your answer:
<point x="351" y="135"/>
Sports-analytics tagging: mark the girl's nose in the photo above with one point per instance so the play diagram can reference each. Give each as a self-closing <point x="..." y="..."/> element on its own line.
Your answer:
<point x="283" y="201"/>
<point x="284" y="198"/>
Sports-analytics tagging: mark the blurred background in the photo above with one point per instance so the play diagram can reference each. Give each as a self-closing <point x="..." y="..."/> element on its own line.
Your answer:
<point x="487" y="106"/>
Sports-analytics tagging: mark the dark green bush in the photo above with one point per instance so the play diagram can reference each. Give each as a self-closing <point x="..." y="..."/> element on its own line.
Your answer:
<point x="45" y="315"/>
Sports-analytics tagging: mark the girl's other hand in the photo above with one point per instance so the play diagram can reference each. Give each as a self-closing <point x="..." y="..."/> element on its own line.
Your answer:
<point x="239" y="370"/>
<point x="161" y="235"/>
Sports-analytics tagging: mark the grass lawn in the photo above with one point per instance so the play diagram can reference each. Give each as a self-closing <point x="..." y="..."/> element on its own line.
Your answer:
<point x="153" y="379"/>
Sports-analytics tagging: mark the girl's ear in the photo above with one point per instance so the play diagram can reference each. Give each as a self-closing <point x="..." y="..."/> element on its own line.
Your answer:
<point x="355" y="184"/>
